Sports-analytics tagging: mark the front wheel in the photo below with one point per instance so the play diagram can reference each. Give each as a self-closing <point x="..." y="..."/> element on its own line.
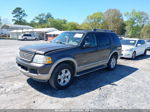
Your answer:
<point x="145" y="52"/>
<point x="112" y="62"/>
<point x="62" y="76"/>
<point x="134" y="55"/>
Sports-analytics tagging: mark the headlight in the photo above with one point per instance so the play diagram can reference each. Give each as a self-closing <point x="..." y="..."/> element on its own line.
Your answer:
<point x="129" y="49"/>
<point x="41" y="59"/>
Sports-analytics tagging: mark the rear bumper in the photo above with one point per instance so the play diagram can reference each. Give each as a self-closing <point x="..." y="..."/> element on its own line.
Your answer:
<point x="35" y="71"/>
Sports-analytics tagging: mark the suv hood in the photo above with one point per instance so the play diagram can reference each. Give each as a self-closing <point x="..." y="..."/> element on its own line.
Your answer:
<point x="44" y="48"/>
<point x="125" y="47"/>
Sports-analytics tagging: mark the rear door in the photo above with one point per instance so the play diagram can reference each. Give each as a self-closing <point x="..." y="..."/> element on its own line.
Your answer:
<point x="139" y="48"/>
<point x="143" y="46"/>
<point x="104" y="46"/>
<point x="29" y="36"/>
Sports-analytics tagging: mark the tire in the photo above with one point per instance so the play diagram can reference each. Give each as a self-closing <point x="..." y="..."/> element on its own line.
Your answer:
<point x="133" y="55"/>
<point x="58" y="80"/>
<point x="145" y="52"/>
<point x="36" y="38"/>
<point x="112" y="63"/>
<point x="25" y="39"/>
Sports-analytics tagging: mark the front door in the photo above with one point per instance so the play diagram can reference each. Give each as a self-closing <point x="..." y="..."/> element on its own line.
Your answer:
<point x="87" y="56"/>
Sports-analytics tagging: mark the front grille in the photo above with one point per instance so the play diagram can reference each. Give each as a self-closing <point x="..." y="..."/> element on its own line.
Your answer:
<point x="25" y="55"/>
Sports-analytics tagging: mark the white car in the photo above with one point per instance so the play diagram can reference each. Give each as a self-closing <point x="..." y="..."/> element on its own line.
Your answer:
<point x="148" y="44"/>
<point x="27" y="37"/>
<point x="133" y="47"/>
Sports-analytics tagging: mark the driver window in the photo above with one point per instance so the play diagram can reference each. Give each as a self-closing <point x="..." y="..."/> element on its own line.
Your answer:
<point x="139" y="42"/>
<point x="91" y="39"/>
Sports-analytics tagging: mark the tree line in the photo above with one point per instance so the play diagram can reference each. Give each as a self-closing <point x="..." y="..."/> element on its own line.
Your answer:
<point x="132" y="24"/>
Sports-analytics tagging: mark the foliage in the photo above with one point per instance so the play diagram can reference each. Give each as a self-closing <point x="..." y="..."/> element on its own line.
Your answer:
<point x="71" y="26"/>
<point x="113" y="20"/>
<point x="94" y="20"/>
<point x="135" y="22"/>
<point x="19" y="15"/>
<point x="145" y="33"/>
<point x="42" y="18"/>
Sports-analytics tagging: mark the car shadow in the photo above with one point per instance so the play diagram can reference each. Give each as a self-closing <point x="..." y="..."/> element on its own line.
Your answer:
<point x="86" y="83"/>
<point x="142" y="57"/>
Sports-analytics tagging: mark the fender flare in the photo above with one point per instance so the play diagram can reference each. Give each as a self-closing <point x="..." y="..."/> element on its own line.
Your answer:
<point x="60" y="61"/>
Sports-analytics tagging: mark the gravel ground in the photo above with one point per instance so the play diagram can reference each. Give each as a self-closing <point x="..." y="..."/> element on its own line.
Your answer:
<point x="127" y="87"/>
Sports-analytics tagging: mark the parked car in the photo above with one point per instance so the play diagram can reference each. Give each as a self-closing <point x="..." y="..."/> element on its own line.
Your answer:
<point x="27" y="37"/>
<point x="69" y="55"/>
<point x="148" y="44"/>
<point x="133" y="47"/>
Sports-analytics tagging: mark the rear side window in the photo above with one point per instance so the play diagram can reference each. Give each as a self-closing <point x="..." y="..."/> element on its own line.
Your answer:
<point x="103" y="39"/>
<point x="115" y="39"/>
<point x="29" y="35"/>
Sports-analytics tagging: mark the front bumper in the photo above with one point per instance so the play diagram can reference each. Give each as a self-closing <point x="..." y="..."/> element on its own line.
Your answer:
<point x="126" y="54"/>
<point x="35" y="71"/>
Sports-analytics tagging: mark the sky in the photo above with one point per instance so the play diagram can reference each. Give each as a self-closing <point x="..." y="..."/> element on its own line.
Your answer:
<point x="71" y="10"/>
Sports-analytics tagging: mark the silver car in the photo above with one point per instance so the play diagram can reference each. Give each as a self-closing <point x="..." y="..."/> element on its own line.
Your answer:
<point x="27" y="37"/>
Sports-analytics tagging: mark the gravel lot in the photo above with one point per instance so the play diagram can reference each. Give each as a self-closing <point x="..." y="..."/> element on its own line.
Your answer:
<point x="127" y="87"/>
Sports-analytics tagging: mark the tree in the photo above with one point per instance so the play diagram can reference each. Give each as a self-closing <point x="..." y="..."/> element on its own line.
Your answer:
<point x="113" y="20"/>
<point x="135" y="22"/>
<point x="57" y="23"/>
<point x="94" y="21"/>
<point x="84" y="25"/>
<point x="145" y="33"/>
<point x="42" y="18"/>
<point x="19" y="15"/>
<point x="71" y="26"/>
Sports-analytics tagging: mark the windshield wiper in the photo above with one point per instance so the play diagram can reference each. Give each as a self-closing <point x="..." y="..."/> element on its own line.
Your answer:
<point x="59" y="42"/>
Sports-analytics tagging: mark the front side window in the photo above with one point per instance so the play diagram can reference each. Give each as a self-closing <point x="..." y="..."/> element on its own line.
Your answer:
<point x="91" y="39"/>
<point x="69" y="38"/>
<point x="128" y="42"/>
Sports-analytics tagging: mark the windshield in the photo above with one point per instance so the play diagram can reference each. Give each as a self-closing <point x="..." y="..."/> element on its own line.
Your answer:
<point x="128" y="42"/>
<point x="69" y="38"/>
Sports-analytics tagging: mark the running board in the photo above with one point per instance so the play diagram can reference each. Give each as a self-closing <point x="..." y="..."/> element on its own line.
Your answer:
<point x="90" y="70"/>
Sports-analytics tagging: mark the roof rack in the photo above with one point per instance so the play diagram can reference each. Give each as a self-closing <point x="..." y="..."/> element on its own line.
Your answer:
<point x="102" y="30"/>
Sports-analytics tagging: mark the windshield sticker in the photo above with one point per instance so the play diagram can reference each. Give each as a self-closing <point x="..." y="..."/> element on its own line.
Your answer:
<point x="78" y="35"/>
<point x="132" y="42"/>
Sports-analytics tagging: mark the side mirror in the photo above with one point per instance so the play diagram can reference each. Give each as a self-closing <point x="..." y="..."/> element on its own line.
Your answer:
<point x="86" y="45"/>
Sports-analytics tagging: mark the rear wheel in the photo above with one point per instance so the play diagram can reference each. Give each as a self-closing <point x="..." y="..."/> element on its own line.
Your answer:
<point x="112" y="62"/>
<point x="25" y="39"/>
<point x="62" y="76"/>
